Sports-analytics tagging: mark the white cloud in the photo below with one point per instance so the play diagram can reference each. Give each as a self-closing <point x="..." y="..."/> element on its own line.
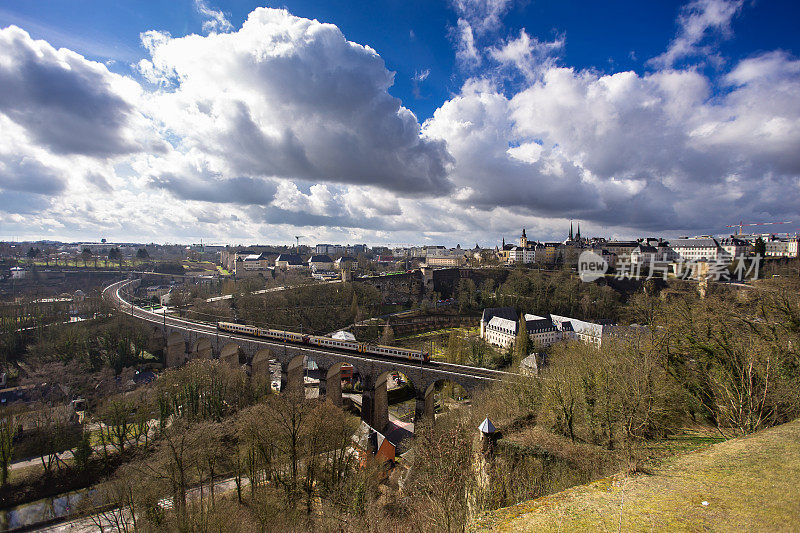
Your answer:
<point x="66" y="103"/>
<point x="216" y="21"/>
<point x="658" y="152"/>
<point x="700" y="22"/>
<point x="527" y="54"/>
<point x="483" y="15"/>
<point x="291" y="98"/>
<point x="467" y="54"/>
<point x="421" y="75"/>
<point x="284" y="124"/>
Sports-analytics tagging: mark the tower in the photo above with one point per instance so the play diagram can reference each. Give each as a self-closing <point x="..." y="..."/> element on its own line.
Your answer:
<point x="578" y="235"/>
<point x="523" y="241"/>
<point x="571" y="237"/>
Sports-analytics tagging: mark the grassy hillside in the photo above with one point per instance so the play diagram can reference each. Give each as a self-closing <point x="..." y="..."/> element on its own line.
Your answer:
<point x="746" y="484"/>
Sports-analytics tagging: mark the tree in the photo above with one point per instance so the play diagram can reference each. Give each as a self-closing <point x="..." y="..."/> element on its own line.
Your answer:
<point x="114" y="254"/>
<point x="142" y="254"/>
<point x="522" y="344"/>
<point x="32" y="253"/>
<point x="7" y="432"/>
<point x="387" y="338"/>
<point x="355" y="312"/>
<point x="760" y="248"/>
<point x="440" y="478"/>
<point x="86" y="254"/>
<point x="83" y="451"/>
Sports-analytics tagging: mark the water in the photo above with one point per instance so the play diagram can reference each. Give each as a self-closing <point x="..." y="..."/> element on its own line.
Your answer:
<point x="46" y="509"/>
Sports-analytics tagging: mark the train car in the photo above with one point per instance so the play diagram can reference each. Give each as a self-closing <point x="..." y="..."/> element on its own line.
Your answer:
<point x="324" y="342"/>
<point x="330" y="342"/>
<point x="237" y="328"/>
<point x="393" y="351"/>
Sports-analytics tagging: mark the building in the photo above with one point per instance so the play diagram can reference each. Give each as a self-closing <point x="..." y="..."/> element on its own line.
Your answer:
<point x="320" y="262"/>
<point x="252" y="265"/>
<point x="621" y="249"/>
<point x="499" y="328"/>
<point x="289" y="262"/>
<point x="344" y="262"/>
<point x="734" y="247"/>
<point x="588" y="332"/>
<point x="499" y="325"/>
<point x="793" y="248"/>
<point x="229" y="256"/>
<point x="704" y="248"/>
<point x="156" y="291"/>
<point x="456" y="259"/>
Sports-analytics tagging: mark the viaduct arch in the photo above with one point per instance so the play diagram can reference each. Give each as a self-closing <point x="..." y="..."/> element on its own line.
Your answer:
<point x="182" y="343"/>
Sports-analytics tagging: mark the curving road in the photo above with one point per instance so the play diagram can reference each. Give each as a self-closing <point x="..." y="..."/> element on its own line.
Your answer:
<point x="113" y="295"/>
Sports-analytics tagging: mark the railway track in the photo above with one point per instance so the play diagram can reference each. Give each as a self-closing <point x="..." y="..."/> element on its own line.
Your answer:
<point x="113" y="296"/>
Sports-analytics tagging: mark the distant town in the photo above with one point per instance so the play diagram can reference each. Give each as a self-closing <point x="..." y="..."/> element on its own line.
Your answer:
<point x="327" y="261"/>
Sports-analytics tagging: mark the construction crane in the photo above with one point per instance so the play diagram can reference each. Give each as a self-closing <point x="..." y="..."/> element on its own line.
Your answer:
<point x="741" y="224"/>
<point x="298" y="241"/>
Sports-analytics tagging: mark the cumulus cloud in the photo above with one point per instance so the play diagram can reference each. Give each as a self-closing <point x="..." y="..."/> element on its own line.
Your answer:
<point x="701" y="22"/>
<point x="24" y="174"/>
<point x="658" y="151"/>
<point x="64" y="102"/>
<point x="249" y="134"/>
<point x="291" y="98"/>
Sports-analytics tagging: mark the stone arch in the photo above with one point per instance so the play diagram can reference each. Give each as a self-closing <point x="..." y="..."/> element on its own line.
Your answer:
<point x="375" y="400"/>
<point x="156" y="341"/>
<point x="202" y="349"/>
<point x="426" y="402"/>
<point x="333" y="384"/>
<point x="175" y="353"/>
<point x="261" y="362"/>
<point x="292" y="376"/>
<point x="229" y="354"/>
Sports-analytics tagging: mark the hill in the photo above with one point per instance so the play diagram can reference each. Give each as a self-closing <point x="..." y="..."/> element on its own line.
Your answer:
<point x="744" y="484"/>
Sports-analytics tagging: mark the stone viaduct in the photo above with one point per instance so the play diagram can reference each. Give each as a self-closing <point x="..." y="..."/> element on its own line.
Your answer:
<point x="182" y="343"/>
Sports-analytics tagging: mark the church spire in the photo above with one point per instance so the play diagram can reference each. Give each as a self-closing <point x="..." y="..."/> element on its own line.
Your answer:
<point x="578" y="235"/>
<point x="571" y="237"/>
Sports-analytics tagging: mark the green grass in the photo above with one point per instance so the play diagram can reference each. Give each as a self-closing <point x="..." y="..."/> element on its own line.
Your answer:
<point x="747" y="484"/>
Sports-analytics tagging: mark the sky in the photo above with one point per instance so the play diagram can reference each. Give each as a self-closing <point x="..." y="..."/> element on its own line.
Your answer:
<point x="396" y="122"/>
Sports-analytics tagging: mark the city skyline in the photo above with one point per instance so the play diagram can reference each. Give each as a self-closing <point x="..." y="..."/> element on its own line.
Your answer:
<point x="446" y="123"/>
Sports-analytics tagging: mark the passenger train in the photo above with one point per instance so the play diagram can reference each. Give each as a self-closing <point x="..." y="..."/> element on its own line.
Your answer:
<point x="325" y="342"/>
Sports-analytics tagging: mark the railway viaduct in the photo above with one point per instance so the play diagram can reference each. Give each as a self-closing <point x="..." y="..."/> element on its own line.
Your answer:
<point x="183" y="341"/>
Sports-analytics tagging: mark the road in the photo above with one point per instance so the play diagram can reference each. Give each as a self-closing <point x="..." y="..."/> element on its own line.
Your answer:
<point x="112" y="294"/>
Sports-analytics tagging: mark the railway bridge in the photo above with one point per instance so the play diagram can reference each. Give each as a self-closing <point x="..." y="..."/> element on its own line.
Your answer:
<point x="183" y="340"/>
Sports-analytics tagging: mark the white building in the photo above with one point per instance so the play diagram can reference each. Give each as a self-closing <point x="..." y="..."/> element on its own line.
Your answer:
<point x="588" y="332"/>
<point x="320" y="262"/>
<point x="252" y="264"/>
<point x="703" y="248"/>
<point x="289" y="261"/>
<point x="499" y="328"/>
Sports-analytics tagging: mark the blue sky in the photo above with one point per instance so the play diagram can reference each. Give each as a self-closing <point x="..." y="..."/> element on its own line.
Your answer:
<point x="528" y="113"/>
